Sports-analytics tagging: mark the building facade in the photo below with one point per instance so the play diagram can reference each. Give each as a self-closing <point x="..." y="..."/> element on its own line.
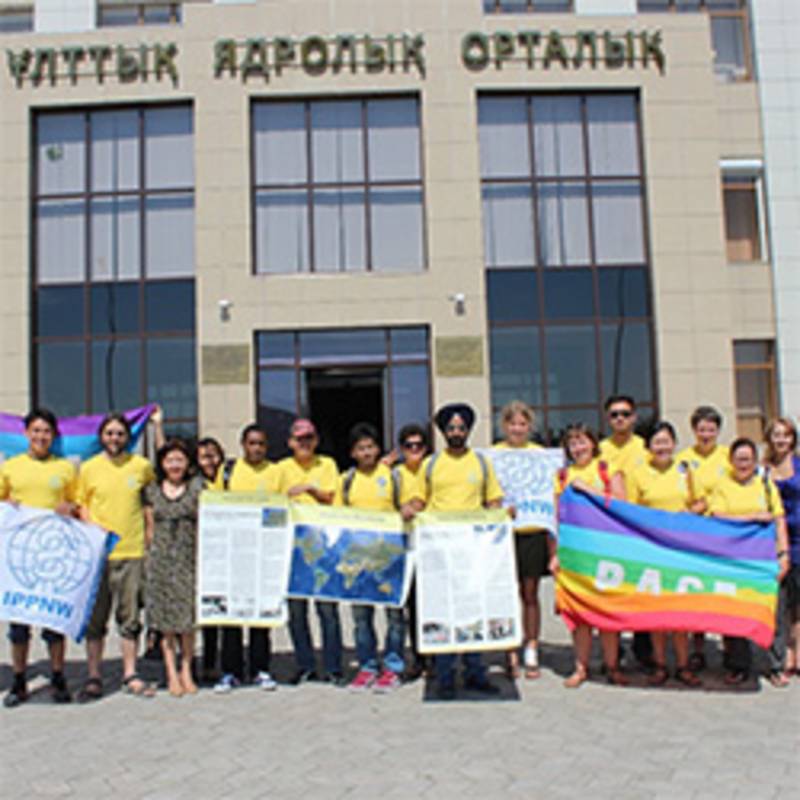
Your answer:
<point x="356" y="209"/>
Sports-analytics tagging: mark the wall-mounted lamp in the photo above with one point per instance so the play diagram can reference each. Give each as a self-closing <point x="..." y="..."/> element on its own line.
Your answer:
<point x="459" y="302"/>
<point x="225" y="307"/>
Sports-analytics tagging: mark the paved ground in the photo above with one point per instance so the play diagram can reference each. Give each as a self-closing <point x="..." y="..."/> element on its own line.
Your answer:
<point x="320" y="742"/>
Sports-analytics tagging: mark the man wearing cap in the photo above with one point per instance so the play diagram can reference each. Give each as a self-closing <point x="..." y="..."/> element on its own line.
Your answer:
<point x="307" y="477"/>
<point x="458" y="479"/>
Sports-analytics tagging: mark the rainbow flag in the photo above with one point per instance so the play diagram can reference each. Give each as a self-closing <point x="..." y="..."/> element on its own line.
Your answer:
<point x="78" y="435"/>
<point x="629" y="568"/>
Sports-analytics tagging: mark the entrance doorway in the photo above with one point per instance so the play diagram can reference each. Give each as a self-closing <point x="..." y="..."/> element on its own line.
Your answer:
<point x="338" y="398"/>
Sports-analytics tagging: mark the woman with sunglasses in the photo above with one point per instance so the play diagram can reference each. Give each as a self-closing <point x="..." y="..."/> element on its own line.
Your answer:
<point x="517" y="420"/>
<point x="589" y="473"/>
<point x="746" y="495"/>
<point x="668" y="485"/>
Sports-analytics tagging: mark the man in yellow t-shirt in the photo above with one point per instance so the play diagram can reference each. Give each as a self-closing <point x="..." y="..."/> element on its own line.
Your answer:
<point x="250" y="473"/>
<point x="374" y="486"/>
<point x="459" y="479"/>
<point x="39" y="480"/>
<point x="307" y="477"/>
<point x="623" y="450"/>
<point x="110" y="495"/>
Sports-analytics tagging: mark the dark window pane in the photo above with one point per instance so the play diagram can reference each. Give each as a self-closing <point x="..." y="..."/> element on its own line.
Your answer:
<point x="16" y="21"/>
<point x="169" y="306"/>
<point x="59" y="311"/>
<point x="62" y="377"/>
<point x="571" y="369"/>
<point x="410" y="397"/>
<point x="352" y="346"/>
<point x="158" y="15"/>
<point x="568" y="293"/>
<point x="516" y="365"/>
<point x="627" y="365"/>
<point x="111" y="17"/>
<point x="116" y="375"/>
<point x="623" y="292"/>
<point x="115" y="308"/>
<point x="277" y="406"/>
<point x="753" y="351"/>
<point x="409" y="342"/>
<point x="513" y="295"/>
<point x="276" y="346"/>
<point x="559" y="418"/>
<point x="171" y="380"/>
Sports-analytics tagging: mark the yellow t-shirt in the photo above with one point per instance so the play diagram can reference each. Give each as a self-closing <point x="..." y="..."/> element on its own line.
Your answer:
<point x="456" y="483"/>
<point x="623" y="459"/>
<point x="708" y="470"/>
<point x="734" y="499"/>
<point x="667" y="490"/>
<point x="372" y="491"/>
<point x="503" y="445"/>
<point x="411" y="483"/>
<point x="589" y="474"/>
<point x="248" y="478"/>
<point x="320" y="473"/>
<point x="39" y="483"/>
<point x="111" y="491"/>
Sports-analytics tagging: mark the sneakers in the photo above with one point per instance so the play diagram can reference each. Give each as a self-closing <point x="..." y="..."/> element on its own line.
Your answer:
<point x="387" y="682"/>
<point x="18" y="693"/>
<point x="59" y="689"/>
<point x="265" y="682"/>
<point x="303" y="676"/>
<point x="363" y="680"/>
<point x="226" y="684"/>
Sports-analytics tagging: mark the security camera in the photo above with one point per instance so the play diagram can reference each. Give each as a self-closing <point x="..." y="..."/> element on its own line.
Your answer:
<point x="459" y="302"/>
<point x="225" y="309"/>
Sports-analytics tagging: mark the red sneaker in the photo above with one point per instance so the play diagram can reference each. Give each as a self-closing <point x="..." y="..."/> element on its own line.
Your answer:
<point x="387" y="682"/>
<point x="362" y="681"/>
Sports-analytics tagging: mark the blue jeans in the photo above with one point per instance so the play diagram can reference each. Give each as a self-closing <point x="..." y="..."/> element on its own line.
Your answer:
<point x="301" y="635"/>
<point x="446" y="667"/>
<point x="367" y="642"/>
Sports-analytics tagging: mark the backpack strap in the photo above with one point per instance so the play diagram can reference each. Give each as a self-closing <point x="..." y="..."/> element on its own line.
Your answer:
<point x="227" y="471"/>
<point x="347" y="484"/>
<point x="429" y="473"/>
<point x="484" y="476"/>
<point x="397" y="482"/>
<point x="765" y="479"/>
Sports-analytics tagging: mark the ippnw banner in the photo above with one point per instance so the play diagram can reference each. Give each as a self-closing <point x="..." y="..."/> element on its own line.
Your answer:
<point x="50" y="568"/>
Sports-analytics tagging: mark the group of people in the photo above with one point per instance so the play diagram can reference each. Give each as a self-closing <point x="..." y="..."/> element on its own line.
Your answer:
<point x="154" y="512"/>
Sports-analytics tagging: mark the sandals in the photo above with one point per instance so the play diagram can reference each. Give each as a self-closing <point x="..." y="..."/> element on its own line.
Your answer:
<point x="530" y="658"/>
<point x="92" y="690"/>
<point x="736" y="677"/>
<point x="659" y="676"/>
<point x="616" y="677"/>
<point x="134" y="685"/>
<point x="579" y="677"/>
<point x="686" y="676"/>
<point x="779" y="680"/>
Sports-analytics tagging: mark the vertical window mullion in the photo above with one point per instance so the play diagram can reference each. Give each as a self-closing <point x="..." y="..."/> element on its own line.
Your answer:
<point x="310" y="187"/>
<point x="367" y="190"/>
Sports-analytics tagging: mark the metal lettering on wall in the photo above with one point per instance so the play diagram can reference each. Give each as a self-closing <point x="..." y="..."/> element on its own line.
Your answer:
<point x="565" y="50"/>
<point x="127" y="63"/>
<point x="316" y="55"/>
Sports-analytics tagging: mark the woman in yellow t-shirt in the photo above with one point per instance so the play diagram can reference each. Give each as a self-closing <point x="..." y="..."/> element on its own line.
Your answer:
<point x="586" y="471"/>
<point x="744" y="494"/>
<point x="517" y="419"/>
<point x="663" y="483"/>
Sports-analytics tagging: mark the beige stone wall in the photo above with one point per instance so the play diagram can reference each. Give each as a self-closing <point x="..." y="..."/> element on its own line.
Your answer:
<point x="687" y="126"/>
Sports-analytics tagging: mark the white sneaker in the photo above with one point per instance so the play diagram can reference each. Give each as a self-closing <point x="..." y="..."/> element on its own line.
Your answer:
<point x="226" y="684"/>
<point x="266" y="682"/>
<point x="530" y="657"/>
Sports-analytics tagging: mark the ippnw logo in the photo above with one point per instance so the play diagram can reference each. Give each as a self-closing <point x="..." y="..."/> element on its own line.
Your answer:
<point x="50" y="554"/>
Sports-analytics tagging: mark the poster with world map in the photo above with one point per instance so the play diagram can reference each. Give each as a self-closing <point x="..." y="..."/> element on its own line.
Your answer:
<point x="349" y="555"/>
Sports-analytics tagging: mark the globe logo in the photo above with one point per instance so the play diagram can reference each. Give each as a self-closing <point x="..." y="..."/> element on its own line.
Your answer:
<point x="50" y="553"/>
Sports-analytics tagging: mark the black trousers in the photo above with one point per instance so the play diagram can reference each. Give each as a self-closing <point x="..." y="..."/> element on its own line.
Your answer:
<point x="259" y="651"/>
<point x="210" y="639"/>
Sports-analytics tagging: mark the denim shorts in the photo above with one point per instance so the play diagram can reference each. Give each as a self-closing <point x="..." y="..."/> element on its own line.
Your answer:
<point x="21" y="634"/>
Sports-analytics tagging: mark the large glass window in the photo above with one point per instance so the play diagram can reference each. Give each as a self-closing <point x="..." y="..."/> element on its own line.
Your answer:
<point x="114" y="306"/>
<point x="565" y="249"/>
<point x="756" y="386"/>
<point x="730" y="32"/>
<point x="742" y="203"/>
<point x="342" y="376"/>
<point x="118" y="13"/>
<point x="337" y="186"/>
<point x="16" y="17"/>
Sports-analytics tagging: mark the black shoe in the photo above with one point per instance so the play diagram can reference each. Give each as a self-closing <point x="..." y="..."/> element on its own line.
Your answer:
<point x="59" y="689"/>
<point x="303" y="676"/>
<point x="446" y="691"/>
<point x="413" y="672"/>
<point x="17" y="694"/>
<point x="482" y="685"/>
<point x="334" y="678"/>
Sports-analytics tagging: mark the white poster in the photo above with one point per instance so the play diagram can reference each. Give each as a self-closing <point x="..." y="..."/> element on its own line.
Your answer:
<point x="526" y="477"/>
<point x="50" y="568"/>
<point x="467" y="595"/>
<point x="244" y="555"/>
